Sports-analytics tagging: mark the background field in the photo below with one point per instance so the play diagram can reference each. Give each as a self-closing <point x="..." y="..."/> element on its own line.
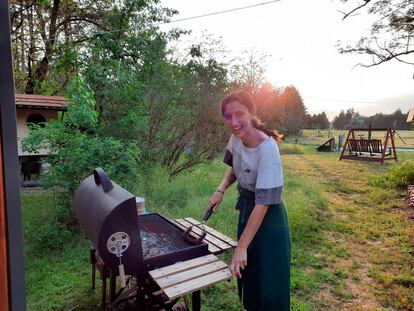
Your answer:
<point x="350" y="236"/>
<point x="311" y="137"/>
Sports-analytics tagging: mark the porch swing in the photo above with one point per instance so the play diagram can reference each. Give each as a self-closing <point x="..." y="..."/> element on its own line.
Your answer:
<point x="371" y="149"/>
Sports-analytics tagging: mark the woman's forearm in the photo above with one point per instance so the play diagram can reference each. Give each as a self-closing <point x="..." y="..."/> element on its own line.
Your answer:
<point x="253" y="224"/>
<point x="228" y="180"/>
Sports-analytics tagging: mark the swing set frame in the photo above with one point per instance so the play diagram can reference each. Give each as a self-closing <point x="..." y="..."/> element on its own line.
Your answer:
<point x="369" y="149"/>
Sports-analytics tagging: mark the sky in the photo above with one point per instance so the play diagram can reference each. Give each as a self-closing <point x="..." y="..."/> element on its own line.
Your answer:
<point x="301" y="38"/>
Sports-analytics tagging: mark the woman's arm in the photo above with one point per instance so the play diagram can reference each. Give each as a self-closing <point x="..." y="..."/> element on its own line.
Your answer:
<point x="240" y="254"/>
<point x="228" y="179"/>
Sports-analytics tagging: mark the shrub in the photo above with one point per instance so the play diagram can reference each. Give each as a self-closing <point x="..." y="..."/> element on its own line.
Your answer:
<point x="399" y="176"/>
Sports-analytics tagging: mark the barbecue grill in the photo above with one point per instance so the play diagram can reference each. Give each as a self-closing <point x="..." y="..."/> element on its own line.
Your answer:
<point x="128" y="243"/>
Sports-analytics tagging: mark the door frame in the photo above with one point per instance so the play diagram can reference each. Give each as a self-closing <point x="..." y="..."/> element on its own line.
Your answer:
<point x="11" y="239"/>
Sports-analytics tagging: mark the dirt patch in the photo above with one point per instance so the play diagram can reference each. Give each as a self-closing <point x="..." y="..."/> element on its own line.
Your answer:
<point x="363" y="299"/>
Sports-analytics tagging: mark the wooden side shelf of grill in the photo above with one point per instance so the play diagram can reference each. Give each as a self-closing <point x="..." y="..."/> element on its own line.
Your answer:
<point x="190" y="276"/>
<point x="217" y="242"/>
<point x="181" y="278"/>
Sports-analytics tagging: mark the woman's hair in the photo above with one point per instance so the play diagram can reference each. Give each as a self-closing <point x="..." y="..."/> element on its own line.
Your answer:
<point x="247" y="100"/>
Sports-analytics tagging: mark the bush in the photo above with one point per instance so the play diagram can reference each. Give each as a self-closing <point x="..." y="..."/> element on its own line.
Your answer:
<point x="77" y="146"/>
<point x="400" y="176"/>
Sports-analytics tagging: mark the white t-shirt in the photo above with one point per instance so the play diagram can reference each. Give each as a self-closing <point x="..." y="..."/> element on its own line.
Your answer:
<point x="257" y="169"/>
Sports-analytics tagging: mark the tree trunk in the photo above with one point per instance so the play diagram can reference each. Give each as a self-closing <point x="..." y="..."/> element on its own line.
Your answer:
<point x="22" y="49"/>
<point x="49" y="38"/>
<point x="30" y="56"/>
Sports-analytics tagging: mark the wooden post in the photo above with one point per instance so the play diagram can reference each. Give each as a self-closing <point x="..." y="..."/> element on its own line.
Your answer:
<point x="393" y="145"/>
<point x="4" y="293"/>
<point x="345" y="144"/>
<point x="384" y="150"/>
<point x="12" y="289"/>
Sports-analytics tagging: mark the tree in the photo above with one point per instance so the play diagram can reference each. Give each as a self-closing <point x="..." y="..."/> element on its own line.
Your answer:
<point x="391" y="34"/>
<point x="49" y="29"/>
<point x="395" y="120"/>
<point x="320" y="121"/>
<point x="48" y="34"/>
<point x="269" y="107"/>
<point x="345" y="119"/>
<point x="249" y="70"/>
<point x="293" y="109"/>
<point x="146" y="95"/>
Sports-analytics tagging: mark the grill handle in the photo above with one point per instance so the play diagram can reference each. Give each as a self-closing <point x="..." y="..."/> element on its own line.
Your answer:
<point x="102" y="179"/>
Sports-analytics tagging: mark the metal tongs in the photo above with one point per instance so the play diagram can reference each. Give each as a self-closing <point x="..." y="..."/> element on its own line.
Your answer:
<point x="189" y="236"/>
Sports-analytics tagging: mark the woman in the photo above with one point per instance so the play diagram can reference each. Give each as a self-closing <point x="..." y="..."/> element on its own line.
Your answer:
<point x="261" y="261"/>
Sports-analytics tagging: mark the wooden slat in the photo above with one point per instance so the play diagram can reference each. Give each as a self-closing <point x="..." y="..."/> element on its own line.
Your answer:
<point x="214" y="232"/>
<point x="182" y="266"/>
<point x="209" y="238"/>
<point x="361" y="158"/>
<point x="211" y="247"/>
<point x="197" y="284"/>
<point x="184" y="276"/>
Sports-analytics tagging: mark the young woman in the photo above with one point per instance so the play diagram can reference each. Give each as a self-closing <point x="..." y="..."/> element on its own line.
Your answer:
<point x="261" y="261"/>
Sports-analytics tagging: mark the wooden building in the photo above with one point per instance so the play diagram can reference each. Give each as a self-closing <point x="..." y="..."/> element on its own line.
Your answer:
<point x="34" y="109"/>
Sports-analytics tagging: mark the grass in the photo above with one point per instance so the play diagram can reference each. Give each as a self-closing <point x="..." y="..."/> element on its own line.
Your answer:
<point x="350" y="237"/>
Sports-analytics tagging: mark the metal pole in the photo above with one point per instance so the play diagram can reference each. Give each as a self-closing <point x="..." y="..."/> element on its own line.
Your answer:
<point x="196" y="300"/>
<point x="16" y="293"/>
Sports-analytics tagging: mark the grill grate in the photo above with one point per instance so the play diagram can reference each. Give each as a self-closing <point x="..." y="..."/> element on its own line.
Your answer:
<point x="159" y="237"/>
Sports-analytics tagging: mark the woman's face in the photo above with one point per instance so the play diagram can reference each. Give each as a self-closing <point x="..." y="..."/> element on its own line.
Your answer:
<point x="238" y="119"/>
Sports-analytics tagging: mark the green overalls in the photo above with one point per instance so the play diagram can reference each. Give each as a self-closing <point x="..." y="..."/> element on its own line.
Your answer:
<point x="265" y="281"/>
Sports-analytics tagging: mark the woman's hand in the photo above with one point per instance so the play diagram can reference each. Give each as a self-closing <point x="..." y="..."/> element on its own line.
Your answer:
<point x="239" y="261"/>
<point x="215" y="200"/>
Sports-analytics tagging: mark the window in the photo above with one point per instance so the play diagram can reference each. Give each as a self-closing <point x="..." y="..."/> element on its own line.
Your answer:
<point x="35" y="119"/>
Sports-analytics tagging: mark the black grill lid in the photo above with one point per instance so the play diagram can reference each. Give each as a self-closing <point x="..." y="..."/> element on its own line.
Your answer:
<point x="106" y="211"/>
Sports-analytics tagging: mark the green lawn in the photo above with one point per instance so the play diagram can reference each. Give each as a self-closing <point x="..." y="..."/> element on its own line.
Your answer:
<point x="351" y="247"/>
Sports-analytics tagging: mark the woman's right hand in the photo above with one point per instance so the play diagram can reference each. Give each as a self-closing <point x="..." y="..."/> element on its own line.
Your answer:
<point x="215" y="200"/>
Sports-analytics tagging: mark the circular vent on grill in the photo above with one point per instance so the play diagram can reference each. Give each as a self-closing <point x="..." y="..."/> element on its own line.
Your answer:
<point x="118" y="243"/>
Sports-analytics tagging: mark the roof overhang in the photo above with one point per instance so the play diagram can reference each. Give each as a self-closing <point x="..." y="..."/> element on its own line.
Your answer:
<point x="28" y="101"/>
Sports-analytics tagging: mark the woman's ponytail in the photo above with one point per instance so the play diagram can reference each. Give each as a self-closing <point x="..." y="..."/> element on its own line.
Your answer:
<point x="273" y="133"/>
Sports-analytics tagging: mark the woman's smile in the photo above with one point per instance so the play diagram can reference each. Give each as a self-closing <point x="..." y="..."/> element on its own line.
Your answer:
<point x="238" y="118"/>
<point x="236" y="128"/>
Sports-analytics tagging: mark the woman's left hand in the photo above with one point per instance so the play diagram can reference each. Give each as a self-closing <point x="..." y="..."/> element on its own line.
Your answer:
<point x="239" y="261"/>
